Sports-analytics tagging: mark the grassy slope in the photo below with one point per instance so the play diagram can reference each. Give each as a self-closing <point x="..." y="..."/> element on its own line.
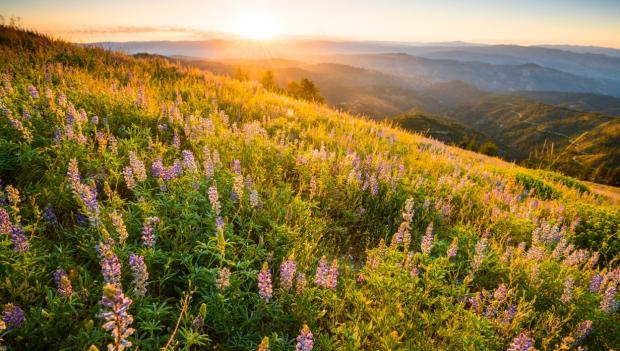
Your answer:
<point x="328" y="185"/>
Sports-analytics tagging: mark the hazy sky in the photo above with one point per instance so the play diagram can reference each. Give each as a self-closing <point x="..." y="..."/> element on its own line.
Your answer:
<point x="587" y="22"/>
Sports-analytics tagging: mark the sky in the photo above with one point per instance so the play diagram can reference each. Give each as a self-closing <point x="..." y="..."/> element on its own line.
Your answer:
<point x="525" y="22"/>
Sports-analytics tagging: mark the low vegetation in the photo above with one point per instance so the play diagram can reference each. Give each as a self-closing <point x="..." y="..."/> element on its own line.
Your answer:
<point x="148" y="205"/>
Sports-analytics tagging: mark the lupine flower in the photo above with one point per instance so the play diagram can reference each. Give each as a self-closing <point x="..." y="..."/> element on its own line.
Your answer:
<point x="110" y="266"/>
<point x="254" y="199"/>
<point x="521" y="343"/>
<point x="141" y="96"/>
<point x="320" y="278"/>
<point x="113" y="145"/>
<point x="476" y="302"/>
<point x="500" y="293"/>
<point x="214" y="200"/>
<point x="88" y="194"/>
<point x="140" y="274"/>
<point x="73" y="174"/>
<point x="595" y="283"/>
<point x="583" y="330"/>
<point x="453" y="248"/>
<point x="567" y="294"/>
<point x="94" y="120"/>
<point x="374" y="186"/>
<point x="148" y="232"/>
<point x="361" y="278"/>
<point x="19" y="240"/>
<point x="300" y="283"/>
<point x="137" y="166"/>
<point x="223" y="279"/>
<point x="219" y="224"/>
<point x="305" y="339"/>
<point x="129" y="179"/>
<point x="34" y="93"/>
<point x="236" y="167"/>
<point x="13" y="316"/>
<point x="287" y="273"/>
<point x="63" y="283"/>
<point x="176" y="140"/>
<point x="118" y="320"/>
<point x="264" y="345"/>
<point x="509" y="314"/>
<point x="48" y="215"/>
<point x="189" y="163"/>
<point x="332" y="276"/>
<point x="237" y="190"/>
<point x="609" y="303"/>
<point x="427" y="240"/>
<point x="157" y="168"/>
<point x="119" y="226"/>
<point x="479" y="254"/>
<point x="5" y="222"/>
<point x="264" y="283"/>
<point x="534" y="272"/>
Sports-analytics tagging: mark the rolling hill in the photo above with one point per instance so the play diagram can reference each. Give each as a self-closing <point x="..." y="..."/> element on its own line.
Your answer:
<point x="149" y="205"/>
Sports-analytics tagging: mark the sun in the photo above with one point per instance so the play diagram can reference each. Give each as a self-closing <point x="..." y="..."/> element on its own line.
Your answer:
<point x="256" y="26"/>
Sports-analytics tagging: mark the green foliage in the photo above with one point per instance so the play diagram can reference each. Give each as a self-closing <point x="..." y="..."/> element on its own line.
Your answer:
<point x="538" y="186"/>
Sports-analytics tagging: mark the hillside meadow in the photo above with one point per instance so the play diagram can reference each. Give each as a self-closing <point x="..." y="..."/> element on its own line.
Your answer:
<point x="146" y="205"/>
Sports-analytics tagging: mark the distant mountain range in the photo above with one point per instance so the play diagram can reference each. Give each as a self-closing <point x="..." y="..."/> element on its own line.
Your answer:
<point x="577" y="132"/>
<point x="555" y="107"/>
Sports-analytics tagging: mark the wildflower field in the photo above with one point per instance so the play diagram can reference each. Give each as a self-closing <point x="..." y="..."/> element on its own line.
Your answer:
<point x="146" y="205"/>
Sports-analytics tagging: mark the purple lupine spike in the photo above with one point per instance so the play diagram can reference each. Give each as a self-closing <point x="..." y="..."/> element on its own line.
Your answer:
<point x="5" y="222"/>
<point x="509" y="314"/>
<point x="129" y="178"/>
<point x="237" y="191"/>
<point x="583" y="330"/>
<point x="332" y="276"/>
<point x="500" y="293"/>
<point x="148" y="232"/>
<point x="157" y="168"/>
<point x="13" y="316"/>
<point x="305" y="339"/>
<point x="19" y="240"/>
<point x="34" y="93"/>
<point x="236" y="167"/>
<point x="189" y="162"/>
<point x="110" y="268"/>
<point x="140" y="274"/>
<point x="49" y="216"/>
<point x="300" y="283"/>
<point x="73" y="174"/>
<point x="287" y="273"/>
<point x="452" y="250"/>
<point x="609" y="303"/>
<point x="480" y="252"/>
<point x="214" y="200"/>
<point x="521" y="343"/>
<point x="427" y="240"/>
<point x="320" y="278"/>
<point x="567" y="294"/>
<point x="137" y="166"/>
<point x="117" y="319"/>
<point x="264" y="283"/>
<point x="88" y="194"/>
<point x="176" y="140"/>
<point x="63" y="283"/>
